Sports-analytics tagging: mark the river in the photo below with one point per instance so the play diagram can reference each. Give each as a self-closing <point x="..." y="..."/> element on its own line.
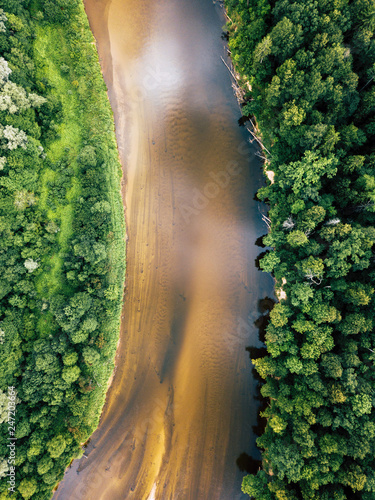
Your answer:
<point x="181" y="406"/>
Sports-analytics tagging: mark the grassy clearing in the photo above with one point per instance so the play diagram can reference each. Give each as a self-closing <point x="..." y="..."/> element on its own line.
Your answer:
<point x="50" y="43"/>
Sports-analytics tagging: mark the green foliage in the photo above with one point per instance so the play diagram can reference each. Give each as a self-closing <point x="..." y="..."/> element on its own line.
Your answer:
<point x="27" y="488"/>
<point x="310" y="66"/>
<point x="269" y="261"/>
<point x="297" y="238"/>
<point x="61" y="238"/>
<point x="56" y="446"/>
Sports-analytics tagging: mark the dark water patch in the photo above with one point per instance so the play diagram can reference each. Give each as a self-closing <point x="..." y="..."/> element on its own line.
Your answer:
<point x="248" y="464"/>
<point x="243" y="120"/>
<point x="259" y="241"/>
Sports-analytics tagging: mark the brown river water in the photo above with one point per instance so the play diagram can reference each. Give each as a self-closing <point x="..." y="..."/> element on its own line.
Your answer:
<point x="181" y="407"/>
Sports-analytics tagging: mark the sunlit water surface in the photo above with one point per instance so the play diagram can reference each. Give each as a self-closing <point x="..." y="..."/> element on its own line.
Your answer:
<point x="181" y="407"/>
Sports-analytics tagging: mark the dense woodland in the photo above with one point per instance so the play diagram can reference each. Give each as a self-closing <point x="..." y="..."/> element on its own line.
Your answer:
<point x="311" y="69"/>
<point x="61" y="239"/>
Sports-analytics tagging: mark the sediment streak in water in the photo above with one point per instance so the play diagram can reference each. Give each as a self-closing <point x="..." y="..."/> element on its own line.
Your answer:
<point x="180" y="409"/>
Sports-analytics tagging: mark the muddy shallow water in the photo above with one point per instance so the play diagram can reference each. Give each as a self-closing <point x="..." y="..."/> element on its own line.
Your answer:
<point x="181" y="407"/>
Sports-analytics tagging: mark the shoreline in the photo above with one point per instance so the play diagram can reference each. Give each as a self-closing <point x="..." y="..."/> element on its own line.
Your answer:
<point x="156" y="394"/>
<point x="241" y="86"/>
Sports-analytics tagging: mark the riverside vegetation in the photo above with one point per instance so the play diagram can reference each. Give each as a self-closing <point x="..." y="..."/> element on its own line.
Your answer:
<point x="62" y="250"/>
<point x="311" y="68"/>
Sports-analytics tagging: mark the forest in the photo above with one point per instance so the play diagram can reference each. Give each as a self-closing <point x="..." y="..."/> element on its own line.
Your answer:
<point x="308" y="68"/>
<point x="62" y="242"/>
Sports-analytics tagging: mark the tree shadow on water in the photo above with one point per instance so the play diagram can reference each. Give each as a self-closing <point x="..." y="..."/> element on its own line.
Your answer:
<point x="265" y="306"/>
<point x="244" y="119"/>
<point x="248" y="464"/>
<point x="245" y="462"/>
<point x="259" y="241"/>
